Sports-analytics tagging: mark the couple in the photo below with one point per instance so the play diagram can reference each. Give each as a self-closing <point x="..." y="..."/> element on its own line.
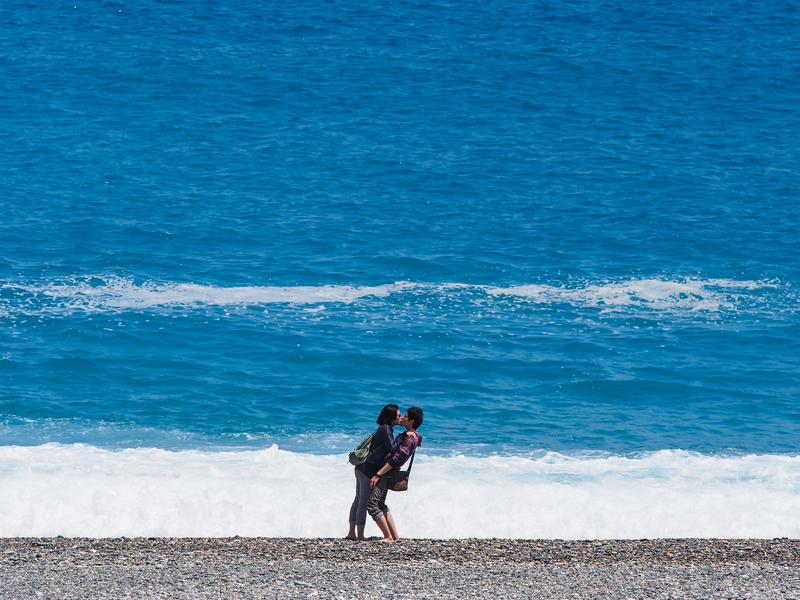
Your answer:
<point x="386" y="453"/>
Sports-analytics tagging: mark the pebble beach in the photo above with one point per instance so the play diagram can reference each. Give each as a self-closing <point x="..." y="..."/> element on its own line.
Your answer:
<point x="258" y="568"/>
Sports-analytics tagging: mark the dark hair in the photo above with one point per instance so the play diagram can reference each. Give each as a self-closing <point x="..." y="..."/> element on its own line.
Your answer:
<point x="415" y="414"/>
<point x="388" y="415"/>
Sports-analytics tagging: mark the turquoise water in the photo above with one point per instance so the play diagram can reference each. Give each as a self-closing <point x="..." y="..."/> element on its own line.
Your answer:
<point x="554" y="226"/>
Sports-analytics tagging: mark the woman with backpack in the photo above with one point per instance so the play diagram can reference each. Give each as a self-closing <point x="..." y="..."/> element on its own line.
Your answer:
<point x="380" y="447"/>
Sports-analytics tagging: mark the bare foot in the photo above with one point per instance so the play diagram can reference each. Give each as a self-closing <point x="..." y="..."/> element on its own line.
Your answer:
<point x="352" y="539"/>
<point x="386" y="540"/>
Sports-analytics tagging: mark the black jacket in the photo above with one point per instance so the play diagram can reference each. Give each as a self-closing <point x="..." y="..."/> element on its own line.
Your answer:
<point x="381" y="446"/>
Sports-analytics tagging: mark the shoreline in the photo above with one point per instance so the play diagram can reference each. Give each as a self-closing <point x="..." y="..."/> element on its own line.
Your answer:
<point x="106" y="551"/>
<point x="193" y="568"/>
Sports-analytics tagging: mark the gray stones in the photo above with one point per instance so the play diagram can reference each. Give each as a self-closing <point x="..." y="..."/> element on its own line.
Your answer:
<point x="411" y="569"/>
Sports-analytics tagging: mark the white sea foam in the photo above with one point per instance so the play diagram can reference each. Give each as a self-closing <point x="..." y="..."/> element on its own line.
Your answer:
<point x="78" y="490"/>
<point x="694" y="295"/>
<point x="113" y="294"/>
<point x="123" y="294"/>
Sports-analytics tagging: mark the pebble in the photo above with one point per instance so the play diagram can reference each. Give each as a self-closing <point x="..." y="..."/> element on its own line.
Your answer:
<point x="205" y="568"/>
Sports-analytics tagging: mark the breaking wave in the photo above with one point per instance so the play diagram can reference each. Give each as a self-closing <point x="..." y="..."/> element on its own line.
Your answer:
<point x="79" y="490"/>
<point x="116" y="294"/>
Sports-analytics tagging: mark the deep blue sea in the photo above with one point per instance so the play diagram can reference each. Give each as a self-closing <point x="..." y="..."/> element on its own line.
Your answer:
<point x="231" y="232"/>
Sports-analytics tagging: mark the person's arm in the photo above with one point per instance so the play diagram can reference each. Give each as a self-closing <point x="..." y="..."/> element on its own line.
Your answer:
<point x="403" y="452"/>
<point x="382" y="471"/>
<point x="398" y="458"/>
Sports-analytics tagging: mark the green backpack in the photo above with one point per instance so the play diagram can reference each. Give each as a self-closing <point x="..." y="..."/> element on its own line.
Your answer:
<point x="361" y="453"/>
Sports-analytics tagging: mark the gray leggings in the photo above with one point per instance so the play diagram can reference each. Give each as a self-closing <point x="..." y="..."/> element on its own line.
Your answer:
<point x="358" y="510"/>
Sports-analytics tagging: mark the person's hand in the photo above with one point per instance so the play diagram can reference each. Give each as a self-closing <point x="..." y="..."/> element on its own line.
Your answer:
<point x="373" y="481"/>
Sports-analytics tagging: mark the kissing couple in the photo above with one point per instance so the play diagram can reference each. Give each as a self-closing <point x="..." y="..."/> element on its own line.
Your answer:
<point x="386" y="454"/>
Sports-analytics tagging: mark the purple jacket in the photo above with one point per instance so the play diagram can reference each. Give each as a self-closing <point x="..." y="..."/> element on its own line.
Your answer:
<point x="404" y="447"/>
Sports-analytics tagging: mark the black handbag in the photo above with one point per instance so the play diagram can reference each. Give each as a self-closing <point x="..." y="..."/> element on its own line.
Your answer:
<point x="398" y="480"/>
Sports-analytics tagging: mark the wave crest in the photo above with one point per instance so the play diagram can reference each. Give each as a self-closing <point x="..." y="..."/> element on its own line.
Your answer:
<point x="115" y="294"/>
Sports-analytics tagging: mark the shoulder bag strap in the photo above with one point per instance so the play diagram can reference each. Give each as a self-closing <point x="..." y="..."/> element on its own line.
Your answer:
<point x="412" y="462"/>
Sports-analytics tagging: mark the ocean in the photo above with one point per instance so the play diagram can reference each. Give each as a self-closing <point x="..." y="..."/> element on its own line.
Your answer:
<point x="230" y="233"/>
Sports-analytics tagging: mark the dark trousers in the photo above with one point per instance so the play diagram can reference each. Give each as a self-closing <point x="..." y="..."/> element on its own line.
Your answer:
<point x="376" y="505"/>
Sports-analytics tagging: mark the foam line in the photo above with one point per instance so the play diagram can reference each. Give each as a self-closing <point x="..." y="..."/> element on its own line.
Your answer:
<point x="98" y="294"/>
<point x="121" y="293"/>
<point x="695" y="295"/>
<point x="78" y="490"/>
